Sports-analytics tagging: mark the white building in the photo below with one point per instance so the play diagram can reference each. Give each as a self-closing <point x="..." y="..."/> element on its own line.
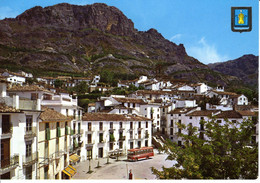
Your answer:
<point x="106" y="134"/>
<point x="18" y="133"/>
<point x="14" y="78"/>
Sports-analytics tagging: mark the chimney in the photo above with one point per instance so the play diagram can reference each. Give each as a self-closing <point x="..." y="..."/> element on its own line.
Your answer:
<point x="3" y="89"/>
<point x="16" y="101"/>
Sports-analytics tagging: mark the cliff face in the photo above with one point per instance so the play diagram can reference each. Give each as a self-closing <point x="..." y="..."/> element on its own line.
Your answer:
<point x="245" y="68"/>
<point x="75" y="38"/>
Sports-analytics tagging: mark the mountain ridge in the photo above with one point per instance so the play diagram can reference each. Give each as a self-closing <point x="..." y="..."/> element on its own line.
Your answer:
<point x="74" y="38"/>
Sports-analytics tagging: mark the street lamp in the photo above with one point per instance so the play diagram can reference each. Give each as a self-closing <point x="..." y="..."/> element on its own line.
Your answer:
<point x="89" y="171"/>
<point x="98" y="162"/>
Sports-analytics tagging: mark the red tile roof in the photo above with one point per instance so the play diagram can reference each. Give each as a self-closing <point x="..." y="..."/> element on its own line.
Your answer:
<point x="112" y="117"/>
<point x="7" y="109"/>
<point x="51" y="115"/>
<point x="229" y="114"/>
<point x="203" y="113"/>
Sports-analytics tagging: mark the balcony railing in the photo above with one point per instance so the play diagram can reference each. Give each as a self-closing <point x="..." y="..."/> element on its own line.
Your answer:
<point x="58" y="154"/>
<point x="29" y="132"/>
<point x="81" y="131"/>
<point x="146" y="135"/>
<point x="29" y="160"/>
<point x="8" y="164"/>
<point x="122" y="138"/>
<point x="72" y="132"/>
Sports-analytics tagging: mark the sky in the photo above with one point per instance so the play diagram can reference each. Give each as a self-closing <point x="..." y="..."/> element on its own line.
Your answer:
<point x="203" y="26"/>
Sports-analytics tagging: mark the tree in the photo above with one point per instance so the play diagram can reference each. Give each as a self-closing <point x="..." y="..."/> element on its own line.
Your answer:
<point x="58" y="83"/>
<point x="225" y="152"/>
<point x="81" y="88"/>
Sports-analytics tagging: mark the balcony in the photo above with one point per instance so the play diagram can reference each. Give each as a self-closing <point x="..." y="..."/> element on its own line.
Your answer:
<point x="102" y="142"/>
<point x="28" y="104"/>
<point x="121" y="138"/>
<point x="90" y="144"/>
<point x="8" y="164"/>
<point x="80" y="131"/>
<point x="146" y="135"/>
<point x="29" y="132"/>
<point x="72" y="132"/>
<point x="58" y="154"/>
<point x="7" y="132"/>
<point x="29" y="160"/>
<point x="121" y="128"/>
<point x="111" y="129"/>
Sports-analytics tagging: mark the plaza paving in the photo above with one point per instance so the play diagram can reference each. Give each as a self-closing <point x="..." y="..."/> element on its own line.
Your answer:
<point x="119" y="169"/>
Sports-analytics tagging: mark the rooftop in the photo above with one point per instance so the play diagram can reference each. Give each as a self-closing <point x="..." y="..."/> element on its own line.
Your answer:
<point x="112" y="117"/>
<point x="6" y="109"/>
<point x="50" y="115"/>
<point x="229" y="114"/>
<point x="26" y="88"/>
<point x="181" y="110"/>
<point x="203" y="113"/>
<point x="130" y="100"/>
<point x="223" y="93"/>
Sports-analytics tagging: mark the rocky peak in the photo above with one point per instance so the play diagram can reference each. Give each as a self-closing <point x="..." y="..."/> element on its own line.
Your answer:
<point x="67" y="16"/>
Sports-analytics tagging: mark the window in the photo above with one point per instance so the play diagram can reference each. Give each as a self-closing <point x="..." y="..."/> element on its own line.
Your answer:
<point x="179" y="130"/>
<point x="146" y="124"/>
<point x="202" y="118"/>
<point x="89" y="139"/>
<point x="218" y="121"/>
<point x="34" y="96"/>
<point x="120" y="125"/>
<point x="171" y="131"/>
<point x="28" y="172"/>
<point x="89" y="126"/>
<point x="139" y="124"/>
<point x="101" y="137"/>
<point x="179" y="121"/>
<point x="179" y="143"/>
<point x="120" y="145"/>
<point x="46" y="169"/>
<point x="234" y="121"/>
<point x="179" y="114"/>
<point x="28" y="151"/>
<point x="146" y="143"/>
<point x="29" y="123"/>
<point x="111" y="125"/>
<point x="67" y="112"/>
<point x="158" y="116"/>
<point x="145" y="109"/>
<point x="171" y="123"/>
<point x="131" y="125"/>
<point x="100" y="126"/>
<point x="190" y="117"/>
<point x="58" y="130"/>
<point x="158" y="123"/>
<point x="201" y="126"/>
<point x="6" y="124"/>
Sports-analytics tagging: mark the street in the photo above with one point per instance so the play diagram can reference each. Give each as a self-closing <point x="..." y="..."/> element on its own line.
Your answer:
<point x="119" y="169"/>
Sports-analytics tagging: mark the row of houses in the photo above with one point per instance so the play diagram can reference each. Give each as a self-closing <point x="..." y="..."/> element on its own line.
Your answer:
<point x="43" y="134"/>
<point x="20" y="78"/>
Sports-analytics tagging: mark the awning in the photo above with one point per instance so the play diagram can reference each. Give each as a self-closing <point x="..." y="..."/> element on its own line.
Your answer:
<point x="74" y="158"/>
<point x="70" y="171"/>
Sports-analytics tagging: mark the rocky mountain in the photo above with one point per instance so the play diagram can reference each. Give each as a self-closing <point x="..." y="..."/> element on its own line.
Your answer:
<point x="91" y="38"/>
<point x="245" y="68"/>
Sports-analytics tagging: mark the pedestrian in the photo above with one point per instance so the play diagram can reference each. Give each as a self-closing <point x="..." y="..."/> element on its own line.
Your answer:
<point x="130" y="174"/>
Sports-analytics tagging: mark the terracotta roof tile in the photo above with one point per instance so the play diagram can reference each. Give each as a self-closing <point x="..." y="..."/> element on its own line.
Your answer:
<point x="27" y="88"/>
<point x="181" y="110"/>
<point x="7" y="109"/>
<point x="112" y="117"/>
<point x="247" y="113"/>
<point x="229" y="114"/>
<point x="51" y="115"/>
<point x="130" y="100"/>
<point x="203" y="113"/>
<point x="224" y="93"/>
